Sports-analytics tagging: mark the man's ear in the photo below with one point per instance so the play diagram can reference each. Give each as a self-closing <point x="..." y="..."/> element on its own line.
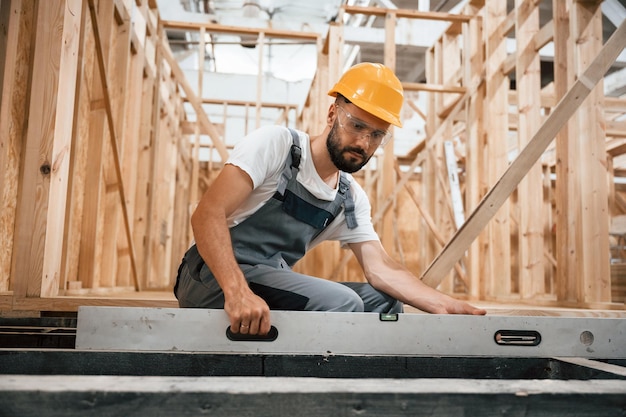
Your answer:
<point x="332" y="113"/>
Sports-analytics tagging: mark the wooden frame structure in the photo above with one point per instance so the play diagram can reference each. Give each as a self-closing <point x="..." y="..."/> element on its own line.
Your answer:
<point x="99" y="160"/>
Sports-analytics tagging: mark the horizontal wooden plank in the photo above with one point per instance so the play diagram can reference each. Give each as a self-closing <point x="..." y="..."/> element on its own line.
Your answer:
<point x="72" y="303"/>
<point x="408" y="13"/>
<point x="240" y="30"/>
<point x="6" y="301"/>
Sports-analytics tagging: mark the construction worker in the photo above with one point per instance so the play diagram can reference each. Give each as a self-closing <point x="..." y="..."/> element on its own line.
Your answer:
<point x="282" y="192"/>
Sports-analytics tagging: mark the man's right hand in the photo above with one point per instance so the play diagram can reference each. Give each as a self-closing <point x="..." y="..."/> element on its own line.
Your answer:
<point x="248" y="313"/>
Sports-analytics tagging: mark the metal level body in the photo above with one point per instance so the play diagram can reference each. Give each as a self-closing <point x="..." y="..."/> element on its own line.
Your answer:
<point x="332" y="333"/>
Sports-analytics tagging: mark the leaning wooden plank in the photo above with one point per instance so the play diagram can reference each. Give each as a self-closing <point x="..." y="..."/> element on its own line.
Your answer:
<point x="597" y="365"/>
<point x="507" y="183"/>
<point x="114" y="141"/>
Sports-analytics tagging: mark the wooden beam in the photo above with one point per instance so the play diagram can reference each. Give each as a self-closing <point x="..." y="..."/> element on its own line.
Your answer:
<point x="82" y="142"/>
<point x="130" y="135"/>
<point x="232" y="395"/>
<point x="498" y="279"/>
<point x="240" y="30"/>
<point x="433" y="88"/>
<point x="566" y="163"/>
<point x="616" y="129"/>
<point x="43" y="199"/>
<point x="17" y="21"/>
<point x="203" y="119"/>
<point x="388" y="177"/>
<point x="544" y="36"/>
<point x="617" y="150"/>
<point x="530" y="192"/>
<point x="407" y="13"/>
<point x="593" y="256"/>
<point x="114" y="245"/>
<point x="507" y="183"/>
<point x="243" y="103"/>
<point x="475" y="143"/>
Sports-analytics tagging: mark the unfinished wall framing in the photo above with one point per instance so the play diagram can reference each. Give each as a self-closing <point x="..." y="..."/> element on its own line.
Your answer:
<point x="99" y="160"/>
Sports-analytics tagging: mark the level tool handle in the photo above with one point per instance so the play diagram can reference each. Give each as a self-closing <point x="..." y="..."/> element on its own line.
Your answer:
<point x="238" y="337"/>
<point x="517" y="337"/>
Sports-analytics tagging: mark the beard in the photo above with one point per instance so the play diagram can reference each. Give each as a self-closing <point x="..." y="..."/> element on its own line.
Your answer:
<point x="348" y="164"/>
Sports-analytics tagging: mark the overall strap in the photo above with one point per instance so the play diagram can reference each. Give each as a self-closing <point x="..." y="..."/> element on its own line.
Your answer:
<point x="348" y="203"/>
<point x="292" y="164"/>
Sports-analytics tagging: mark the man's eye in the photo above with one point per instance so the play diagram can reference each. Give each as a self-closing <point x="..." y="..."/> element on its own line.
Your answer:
<point x="358" y="126"/>
<point x="378" y="135"/>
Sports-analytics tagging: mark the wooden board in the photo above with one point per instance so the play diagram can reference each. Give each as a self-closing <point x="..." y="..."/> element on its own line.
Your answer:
<point x="152" y="396"/>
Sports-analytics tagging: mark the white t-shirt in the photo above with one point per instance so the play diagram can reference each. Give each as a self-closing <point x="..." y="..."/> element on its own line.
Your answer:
<point x="262" y="155"/>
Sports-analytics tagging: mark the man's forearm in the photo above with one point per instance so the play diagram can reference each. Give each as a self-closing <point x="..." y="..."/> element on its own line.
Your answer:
<point x="215" y="246"/>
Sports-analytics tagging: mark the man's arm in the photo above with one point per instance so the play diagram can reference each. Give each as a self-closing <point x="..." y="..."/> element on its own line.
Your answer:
<point x="210" y="229"/>
<point x="392" y="278"/>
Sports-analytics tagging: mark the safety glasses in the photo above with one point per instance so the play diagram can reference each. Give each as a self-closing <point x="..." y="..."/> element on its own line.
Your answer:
<point x="359" y="128"/>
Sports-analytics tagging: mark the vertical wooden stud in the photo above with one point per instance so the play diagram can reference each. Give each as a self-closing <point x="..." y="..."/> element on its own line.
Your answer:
<point x="530" y="191"/>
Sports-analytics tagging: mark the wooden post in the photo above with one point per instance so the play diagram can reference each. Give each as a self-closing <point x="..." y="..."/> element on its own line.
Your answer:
<point x="17" y="17"/>
<point x="498" y="276"/>
<point x="386" y="164"/>
<point x="148" y="133"/>
<point x="81" y="164"/>
<point x="326" y="258"/>
<point x="131" y="138"/>
<point x="474" y="142"/>
<point x="593" y="271"/>
<point x="116" y="236"/>
<point x="195" y="153"/>
<point x="259" y="78"/>
<point x="42" y="202"/>
<point x="530" y="190"/>
<point x="566" y="172"/>
<point x="429" y="247"/>
<point x="113" y="140"/>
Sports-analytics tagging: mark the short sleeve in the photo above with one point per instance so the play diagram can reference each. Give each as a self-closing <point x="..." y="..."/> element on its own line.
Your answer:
<point x="262" y="153"/>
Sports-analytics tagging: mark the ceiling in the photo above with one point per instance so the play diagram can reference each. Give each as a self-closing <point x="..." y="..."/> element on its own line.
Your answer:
<point x="293" y="59"/>
<point x="306" y="15"/>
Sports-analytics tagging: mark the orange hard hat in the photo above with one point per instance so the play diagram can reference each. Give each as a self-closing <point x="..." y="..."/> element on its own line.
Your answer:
<point x="374" y="88"/>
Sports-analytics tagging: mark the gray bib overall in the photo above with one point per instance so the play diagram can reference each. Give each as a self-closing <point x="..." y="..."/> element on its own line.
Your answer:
<point x="269" y="242"/>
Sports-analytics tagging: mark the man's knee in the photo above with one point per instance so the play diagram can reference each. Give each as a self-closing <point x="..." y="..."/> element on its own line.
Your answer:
<point x="341" y="299"/>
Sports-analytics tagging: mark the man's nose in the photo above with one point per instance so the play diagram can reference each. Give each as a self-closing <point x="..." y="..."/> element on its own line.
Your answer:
<point x="366" y="137"/>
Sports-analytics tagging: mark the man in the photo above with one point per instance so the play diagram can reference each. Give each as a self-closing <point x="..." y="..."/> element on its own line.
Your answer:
<point x="282" y="192"/>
